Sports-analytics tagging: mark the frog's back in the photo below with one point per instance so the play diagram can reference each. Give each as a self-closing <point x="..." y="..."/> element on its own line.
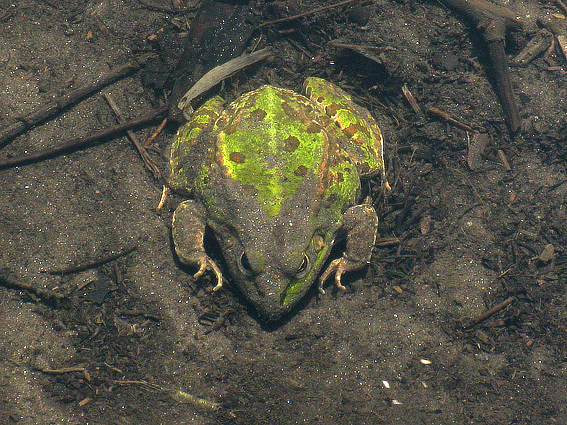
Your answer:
<point x="276" y="143"/>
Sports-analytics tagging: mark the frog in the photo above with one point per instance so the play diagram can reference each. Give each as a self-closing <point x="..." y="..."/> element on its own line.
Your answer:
<point x="276" y="176"/>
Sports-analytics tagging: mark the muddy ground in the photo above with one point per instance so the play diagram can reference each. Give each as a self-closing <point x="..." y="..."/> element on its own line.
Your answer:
<point x="399" y="347"/>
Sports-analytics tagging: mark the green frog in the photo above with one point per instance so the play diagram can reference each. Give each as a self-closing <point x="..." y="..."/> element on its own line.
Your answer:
<point x="276" y="176"/>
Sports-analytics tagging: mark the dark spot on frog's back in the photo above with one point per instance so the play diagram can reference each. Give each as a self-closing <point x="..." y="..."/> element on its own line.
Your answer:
<point x="300" y="171"/>
<point x="257" y="115"/>
<point x="237" y="157"/>
<point x="291" y="144"/>
<point x="332" y="109"/>
<point x="231" y="128"/>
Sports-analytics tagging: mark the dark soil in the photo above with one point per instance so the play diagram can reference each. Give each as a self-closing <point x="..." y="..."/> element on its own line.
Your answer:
<point x="398" y="347"/>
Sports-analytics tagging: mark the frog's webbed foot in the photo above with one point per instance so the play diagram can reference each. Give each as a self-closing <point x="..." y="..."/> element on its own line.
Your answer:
<point x="360" y="224"/>
<point x="205" y="263"/>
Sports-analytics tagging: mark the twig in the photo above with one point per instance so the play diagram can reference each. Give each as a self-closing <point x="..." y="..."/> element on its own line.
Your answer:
<point x="409" y="97"/>
<point x="146" y="384"/>
<point x="504" y="160"/>
<point x="301" y="15"/>
<point x="82" y="142"/>
<point x="148" y="161"/>
<point x="360" y="48"/>
<point x="481" y="317"/>
<point x="184" y="397"/>
<point x="92" y="264"/>
<point x="148" y="142"/>
<point x="540" y="43"/>
<point x="559" y="30"/>
<point x="178" y="395"/>
<point x="446" y="117"/>
<point x="86" y="374"/>
<point x="373" y="53"/>
<point x="63" y="370"/>
<point x="53" y="108"/>
<point x="383" y="242"/>
<point x="84" y="401"/>
<point x="163" y="198"/>
<point x="10" y="279"/>
<point x="504" y="84"/>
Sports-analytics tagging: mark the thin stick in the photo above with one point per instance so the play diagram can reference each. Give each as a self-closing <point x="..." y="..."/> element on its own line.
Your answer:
<point x="310" y="12"/>
<point x="50" y="110"/>
<point x="476" y="320"/>
<point x="409" y="97"/>
<point x="64" y="370"/>
<point x="446" y="117"/>
<point x="148" y="162"/>
<point x="92" y="264"/>
<point x="148" y="142"/>
<point x="504" y="84"/>
<point x="178" y="395"/>
<point x="10" y="279"/>
<point x="82" y="142"/>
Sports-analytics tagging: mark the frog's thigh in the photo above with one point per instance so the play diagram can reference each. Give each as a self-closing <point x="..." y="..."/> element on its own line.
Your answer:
<point x="189" y="221"/>
<point x="366" y="144"/>
<point x="360" y="223"/>
<point x="188" y="231"/>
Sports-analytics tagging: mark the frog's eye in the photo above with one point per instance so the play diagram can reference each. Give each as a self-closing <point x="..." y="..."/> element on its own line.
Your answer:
<point x="244" y="265"/>
<point x="303" y="268"/>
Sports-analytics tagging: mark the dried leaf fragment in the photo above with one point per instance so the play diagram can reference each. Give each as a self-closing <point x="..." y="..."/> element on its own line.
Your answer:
<point x="547" y="254"/>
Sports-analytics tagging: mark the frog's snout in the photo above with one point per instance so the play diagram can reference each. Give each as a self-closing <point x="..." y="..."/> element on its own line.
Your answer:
<point x="267" y="293"/>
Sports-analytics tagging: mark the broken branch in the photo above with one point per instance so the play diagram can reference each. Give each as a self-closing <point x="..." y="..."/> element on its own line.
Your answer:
<point x="494" y="21"/>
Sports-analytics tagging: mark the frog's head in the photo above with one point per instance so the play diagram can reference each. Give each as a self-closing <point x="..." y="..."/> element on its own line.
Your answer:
<point x="275" y="278"/>
<point x="274" y="287"/>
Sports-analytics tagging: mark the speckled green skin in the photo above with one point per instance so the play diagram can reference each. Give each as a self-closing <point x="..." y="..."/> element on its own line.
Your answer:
<point x="277" y="181"/>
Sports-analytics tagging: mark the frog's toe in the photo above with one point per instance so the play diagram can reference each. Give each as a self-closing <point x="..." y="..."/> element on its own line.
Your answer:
<point x="202" y="268"/>
<point x="338" y="267"/>
<point x="219" y="279"/>
<point x="205" y="263"/>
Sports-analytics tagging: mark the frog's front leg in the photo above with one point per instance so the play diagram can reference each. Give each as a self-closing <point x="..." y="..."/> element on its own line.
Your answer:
<point x="188" y="234"/>
<point x="360" y="223"/>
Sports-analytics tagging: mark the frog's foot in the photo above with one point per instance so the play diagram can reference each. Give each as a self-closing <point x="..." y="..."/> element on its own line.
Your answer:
<point x="338" y="267"/>
<point x="205" y="263"/>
